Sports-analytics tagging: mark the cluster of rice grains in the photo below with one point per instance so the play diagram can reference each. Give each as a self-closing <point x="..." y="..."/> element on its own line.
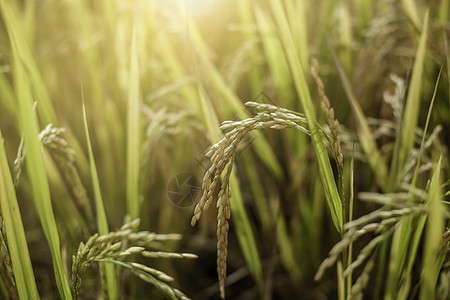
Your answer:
<point x="52" y="138"/>
<point x="355" y="229"/>
<point x="6" y="268"/>
<point x="331" y="121"/>
<point x="116" y="246"/>
<point x="222" y="157"/>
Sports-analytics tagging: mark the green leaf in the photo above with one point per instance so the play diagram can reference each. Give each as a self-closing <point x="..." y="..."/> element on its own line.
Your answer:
<point x="37" y="172"/>
<point x="411" y="11"/>
<point x="102" y="222"/>
<point x="22" y="50"/>
<point x="244" y="230"/>
<point x="405" y="136"/>
<point x="255" y="74"/>
<point x="433" y="237"/>
<point x="17" y="244"/>
<point x="296" y="69"/>
<point x="273" y="51"/>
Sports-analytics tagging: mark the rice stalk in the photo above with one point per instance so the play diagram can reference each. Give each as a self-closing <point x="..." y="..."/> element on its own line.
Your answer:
<point x="133" y="133"/>
<point x="345" y="31"/>
<point x="444" y="12"/>
<point x="363" y="12"/>
<point x="350" y="218"/>
<point x="340" y="281"/>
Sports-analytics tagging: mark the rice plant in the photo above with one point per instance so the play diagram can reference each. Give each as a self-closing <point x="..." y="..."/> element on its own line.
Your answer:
<point x="192" y="149"/>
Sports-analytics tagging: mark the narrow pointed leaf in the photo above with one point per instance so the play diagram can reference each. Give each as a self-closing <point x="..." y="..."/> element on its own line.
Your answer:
<point x="17" y="244"/>
<point x="102" y="222"/>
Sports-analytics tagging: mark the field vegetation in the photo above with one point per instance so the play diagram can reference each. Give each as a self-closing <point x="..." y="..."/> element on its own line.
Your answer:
<point x="187" y="149"/>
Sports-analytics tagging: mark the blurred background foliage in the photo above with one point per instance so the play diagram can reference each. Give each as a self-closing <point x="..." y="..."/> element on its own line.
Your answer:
<point x="198" y="62"/>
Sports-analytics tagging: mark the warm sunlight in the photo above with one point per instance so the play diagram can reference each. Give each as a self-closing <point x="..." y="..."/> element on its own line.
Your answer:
<point x="200" y="7"/>
<point x="224" y="149"/>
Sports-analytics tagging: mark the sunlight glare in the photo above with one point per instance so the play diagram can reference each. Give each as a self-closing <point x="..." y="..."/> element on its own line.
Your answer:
<point x="199" y="7"/>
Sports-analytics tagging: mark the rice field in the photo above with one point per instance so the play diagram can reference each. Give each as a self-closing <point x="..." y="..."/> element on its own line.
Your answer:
<point x="210" y="149"/>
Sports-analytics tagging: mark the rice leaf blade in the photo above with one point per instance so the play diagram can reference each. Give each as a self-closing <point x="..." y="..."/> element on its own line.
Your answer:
<point x="24" y="54"/>
<point x="102" y="222"/>
<point x="296" y="69"/>
<point x="17" y="244"/>
<point x="273" y="50"/>
<point x="411" y="11"/>
<point x="37" y="172"/>
<point x="286" y="250"/>
<point x="405" y="137"/>
<point x="433" y="237"/>
<point x="403" y="252"/>
<point x="245" y="11"/>
<point x="7" y="96"/>
<point x="244" y="230"/>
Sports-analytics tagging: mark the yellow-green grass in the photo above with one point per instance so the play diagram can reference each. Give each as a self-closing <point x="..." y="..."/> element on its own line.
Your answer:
<point x="102" y="221"/>
<point x="163" y="75"/>
<point x="15" y="233"/>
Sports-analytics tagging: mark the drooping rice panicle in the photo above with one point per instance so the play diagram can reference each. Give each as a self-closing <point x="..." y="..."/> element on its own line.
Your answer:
<point x="116" y="246"/>
<point x="221" y="155"/>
